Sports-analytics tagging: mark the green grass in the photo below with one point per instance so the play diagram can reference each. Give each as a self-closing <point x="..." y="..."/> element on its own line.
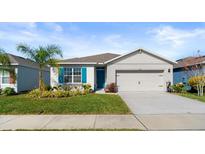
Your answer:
<point x="193" y="96"/>
<point x="88" y="104"/>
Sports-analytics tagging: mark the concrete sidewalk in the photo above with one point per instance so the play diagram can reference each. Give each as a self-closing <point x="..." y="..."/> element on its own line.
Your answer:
<point x="67" y="122"/>
<point x="32" y="122"/>
<point x="173" y="121"/>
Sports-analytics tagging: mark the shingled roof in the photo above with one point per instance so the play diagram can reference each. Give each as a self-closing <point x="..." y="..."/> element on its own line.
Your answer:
<point x="100" y="58"/>
<point x="189" y="61"/>
<point x="17" y="60"/>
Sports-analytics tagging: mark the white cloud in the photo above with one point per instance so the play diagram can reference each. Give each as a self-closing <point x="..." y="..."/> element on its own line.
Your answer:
<point x="176" y="37"/>
<point x="171" y="42"/>
<point x="78" y="45"/>
<point x="29" y="34"/>
<point x="54" y="26"/>
<point x="27" y="24"/>
<point x="24" y="25"/>
<point x="58" y="28"/>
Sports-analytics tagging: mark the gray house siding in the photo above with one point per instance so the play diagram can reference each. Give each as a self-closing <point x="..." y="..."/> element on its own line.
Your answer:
<point x="140" y="61"/>
<point x="27" y="78"/>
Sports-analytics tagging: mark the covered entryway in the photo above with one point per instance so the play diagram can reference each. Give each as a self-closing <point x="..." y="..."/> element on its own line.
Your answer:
<point x="140" y="80"/>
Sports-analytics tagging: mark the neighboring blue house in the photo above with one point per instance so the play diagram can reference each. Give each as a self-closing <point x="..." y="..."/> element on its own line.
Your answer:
<point x="24" y="75"/>
<point x="182" y="75"/>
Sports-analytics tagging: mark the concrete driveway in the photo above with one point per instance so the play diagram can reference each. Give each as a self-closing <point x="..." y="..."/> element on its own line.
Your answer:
<point x="164" y="111"/>
<point x="161" y="103"/>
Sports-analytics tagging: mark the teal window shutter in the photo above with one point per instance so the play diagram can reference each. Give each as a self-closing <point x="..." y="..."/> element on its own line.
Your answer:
<point x="60" y="74"/>
<point x="84" y="75"/>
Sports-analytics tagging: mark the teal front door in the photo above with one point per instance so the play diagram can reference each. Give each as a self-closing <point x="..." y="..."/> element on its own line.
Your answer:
<point x="100" y="74"/>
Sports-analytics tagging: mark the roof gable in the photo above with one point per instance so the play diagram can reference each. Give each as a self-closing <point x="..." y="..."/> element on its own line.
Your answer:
<point x="20" y="60"/>
<point x="17" y="60"/>
<point x="138" y="51"/>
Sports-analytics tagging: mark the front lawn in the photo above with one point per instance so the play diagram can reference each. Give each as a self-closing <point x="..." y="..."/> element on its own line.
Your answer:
<point x="193" y="96"/>
<point x="87" y="104"/>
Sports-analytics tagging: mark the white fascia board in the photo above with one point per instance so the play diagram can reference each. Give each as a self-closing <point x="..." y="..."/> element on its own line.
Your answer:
<point x="61" y="63"/>
<point x="152" y="53"/>
<point x="100" y="63"/>
<point x="12" y="64"/>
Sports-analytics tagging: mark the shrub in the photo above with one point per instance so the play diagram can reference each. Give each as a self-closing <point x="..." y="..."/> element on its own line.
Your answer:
<point x="8" y="91"/>
<point x="112" y="88"/>
<point x="50" y="94"/>
<point x="34" y="93"/>
<point x="72" y="93"/>
<point x="87" y="86"/>
<point x="178" y="88"/>
<point x="198" y="82"/>
<point x="76" y="92"/>
<point x="48" y="87"/>
<point x="61" y="93"/>
<point x="47" y="94"/>
<point x="86" y="91"/>
<point x="66" y="87"/>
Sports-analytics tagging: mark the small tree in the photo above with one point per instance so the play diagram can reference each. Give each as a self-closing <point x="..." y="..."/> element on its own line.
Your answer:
<point x="43" y="55"/>
<point x="198" y="82"/>
<point x="195" y="73"/>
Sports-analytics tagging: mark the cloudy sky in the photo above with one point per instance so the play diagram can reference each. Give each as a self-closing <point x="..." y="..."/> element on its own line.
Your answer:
<point x="172" y="40"/>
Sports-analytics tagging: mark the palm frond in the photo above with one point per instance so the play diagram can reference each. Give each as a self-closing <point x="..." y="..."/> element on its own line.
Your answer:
<point x="54" y="50"/>
<point x="4" y="58"/>
<point x="27" y="50"/>
<point x="52" y="62"/>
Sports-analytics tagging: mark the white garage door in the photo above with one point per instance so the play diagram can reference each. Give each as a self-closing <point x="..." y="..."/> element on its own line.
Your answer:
<point x="143" y="80"/>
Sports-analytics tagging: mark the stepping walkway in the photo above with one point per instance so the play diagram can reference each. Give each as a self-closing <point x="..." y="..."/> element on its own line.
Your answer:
<point x="40" y="122"/>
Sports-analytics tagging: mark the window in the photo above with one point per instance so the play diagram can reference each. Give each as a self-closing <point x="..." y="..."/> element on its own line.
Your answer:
<point x="72" y="75"/>
<point x="4" y="77"/>
<point x="67" y="75"/>
<point x="76" y="75"/>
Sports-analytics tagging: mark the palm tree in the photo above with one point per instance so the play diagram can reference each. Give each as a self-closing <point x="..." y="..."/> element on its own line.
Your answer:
<point x="5" y="65"/>
<point x="4" y="58"/>
<point x="43" y="55"/>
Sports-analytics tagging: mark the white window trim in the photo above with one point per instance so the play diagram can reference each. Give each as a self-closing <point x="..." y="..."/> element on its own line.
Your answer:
<point x="2" y="76"/>
<point x="72" y="76"/>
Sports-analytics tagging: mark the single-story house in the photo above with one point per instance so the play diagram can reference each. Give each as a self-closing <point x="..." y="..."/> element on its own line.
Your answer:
<point x="22" y="74"/>
<point x="187" y="67"/>
<point x="139" y="70"/>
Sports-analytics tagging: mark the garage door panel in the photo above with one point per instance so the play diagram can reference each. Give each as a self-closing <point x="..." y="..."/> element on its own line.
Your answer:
<point x="136" y="81"/>
<point x="140" y="71"/>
